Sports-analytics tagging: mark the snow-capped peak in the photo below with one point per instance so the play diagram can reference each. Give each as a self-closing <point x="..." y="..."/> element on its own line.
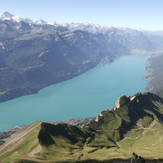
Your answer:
<point x="17" y="18"/>
<point x="53" y="23"/>
<point x="6" y="16"/>
<point x="40" y="22"/>
<point x="94" y="28"/>
<point x="26" y="20"/>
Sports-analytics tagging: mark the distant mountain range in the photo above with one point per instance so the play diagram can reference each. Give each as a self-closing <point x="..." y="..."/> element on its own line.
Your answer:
<point x="7" y="16"/>
<point x="94" y="28"/>
<point x="61" y="51"/>
<point x="72" y="26"/>
<point x="120" y="34"/>
<point x="125" y="36"/>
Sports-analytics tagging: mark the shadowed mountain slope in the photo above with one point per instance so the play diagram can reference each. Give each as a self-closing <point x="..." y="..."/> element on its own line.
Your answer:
<point x="154" y="74"/>
<point x="33" y="57"/>
<point x="114" y="134"/>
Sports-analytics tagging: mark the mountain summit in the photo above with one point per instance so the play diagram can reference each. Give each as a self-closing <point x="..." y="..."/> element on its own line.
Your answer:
<point x="7" y="16"/>
<point x="134" y="124"/>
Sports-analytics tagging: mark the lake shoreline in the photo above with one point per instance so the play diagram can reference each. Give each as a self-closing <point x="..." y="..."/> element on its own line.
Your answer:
<point x="83" y="96"/>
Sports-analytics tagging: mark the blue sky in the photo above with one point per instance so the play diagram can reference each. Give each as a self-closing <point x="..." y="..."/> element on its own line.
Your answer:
<point x="135" y="14"/>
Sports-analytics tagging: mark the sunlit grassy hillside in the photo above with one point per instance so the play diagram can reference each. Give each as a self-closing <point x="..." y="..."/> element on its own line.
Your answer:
<point x="134" y="124"/>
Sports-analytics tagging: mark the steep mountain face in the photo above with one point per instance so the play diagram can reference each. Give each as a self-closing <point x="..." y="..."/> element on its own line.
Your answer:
<point x="95" y="45"/>
<point x="155" y="38"/>
<point x="125" y="127"/>
<point x="73" y="135"/>
<point x="132" y="39"/>
<point x="154" y="74"/>
<point x="33" y="56"/>
<point x="138" y="112"/>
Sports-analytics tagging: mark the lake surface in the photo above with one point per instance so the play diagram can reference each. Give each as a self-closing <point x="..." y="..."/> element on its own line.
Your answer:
<point x="81" y="97"/>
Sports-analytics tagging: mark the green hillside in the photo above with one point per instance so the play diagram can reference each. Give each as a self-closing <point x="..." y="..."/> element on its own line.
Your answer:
<point x="134" y="124"/>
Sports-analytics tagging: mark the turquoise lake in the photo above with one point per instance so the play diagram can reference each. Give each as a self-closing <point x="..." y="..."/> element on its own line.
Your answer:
<point x="81" y="97"/>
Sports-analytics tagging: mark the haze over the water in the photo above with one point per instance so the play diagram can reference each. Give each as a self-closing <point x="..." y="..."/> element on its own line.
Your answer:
<point x="136" y="14"/>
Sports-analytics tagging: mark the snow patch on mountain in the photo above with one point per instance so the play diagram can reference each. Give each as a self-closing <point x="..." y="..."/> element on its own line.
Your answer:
<point x="6" y="16"/>
<point x="26" y="20"/>
<point x="93" y="28"/>
<point x="40" y="22"/>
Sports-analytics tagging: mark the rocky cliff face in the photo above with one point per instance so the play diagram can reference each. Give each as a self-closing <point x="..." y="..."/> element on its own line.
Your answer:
<point x="136" y="112"/>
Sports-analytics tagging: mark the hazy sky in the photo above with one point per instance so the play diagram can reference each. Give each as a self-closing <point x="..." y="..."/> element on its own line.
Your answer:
<point x="135" y="14"/>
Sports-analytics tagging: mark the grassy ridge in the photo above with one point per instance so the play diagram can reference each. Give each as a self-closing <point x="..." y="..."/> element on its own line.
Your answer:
<point x="21" y="143"/>
<point x="134" y="124"/>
